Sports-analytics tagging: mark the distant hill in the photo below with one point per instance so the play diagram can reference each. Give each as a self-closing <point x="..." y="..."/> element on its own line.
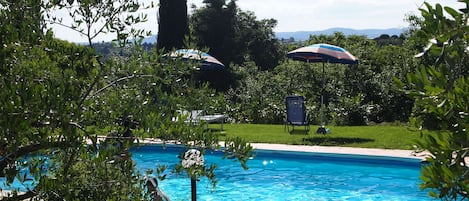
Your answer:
<point x="150" y="39"/>
<point x="370" y="33"/>
<point x="304" y="35"/>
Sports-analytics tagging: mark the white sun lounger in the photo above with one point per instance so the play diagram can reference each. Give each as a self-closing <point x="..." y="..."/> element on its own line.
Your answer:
<point x="215" y="118"/>
<point x="197" y="116"/>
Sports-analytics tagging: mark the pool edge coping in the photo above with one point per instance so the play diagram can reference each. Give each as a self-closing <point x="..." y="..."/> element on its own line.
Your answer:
<point x="396" y="153"/>
<point x="399" y="153"/>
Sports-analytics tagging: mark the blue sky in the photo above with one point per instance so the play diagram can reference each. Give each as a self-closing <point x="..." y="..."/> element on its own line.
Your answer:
<point x="306" y="15"/>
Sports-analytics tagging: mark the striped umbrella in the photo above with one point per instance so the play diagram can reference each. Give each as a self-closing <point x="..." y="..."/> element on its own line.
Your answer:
<point x="208" y="62"/>
<point x="323" y="53"/>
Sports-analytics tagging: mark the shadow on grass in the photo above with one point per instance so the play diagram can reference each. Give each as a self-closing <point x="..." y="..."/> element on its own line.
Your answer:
<point x="221" y="132"/>
<point x="332" y="141"/>
<point x="299" y="132"/>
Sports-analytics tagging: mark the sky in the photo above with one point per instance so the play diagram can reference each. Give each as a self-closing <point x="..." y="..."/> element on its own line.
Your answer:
<point x="303" y="15"/>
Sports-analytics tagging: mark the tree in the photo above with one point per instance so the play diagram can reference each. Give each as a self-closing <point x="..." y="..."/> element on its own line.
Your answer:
<point x="385" y="39"/>
<point x="388" y="63"/>
<point x="440" y="89"/>
<point x="46" y="86"/>
<point x="355" y="95"/>
<point x="58" y="98"/>
<point x="94" y="18"/>
<point x="236" y="36"/>
<point x="19" y="23"/>
<point x="259" y="96"/>
<point x="258" y="37"/>
<point x="366" y="91"/>
<point x="214" y="27"/>
<point x="172" y="24"/>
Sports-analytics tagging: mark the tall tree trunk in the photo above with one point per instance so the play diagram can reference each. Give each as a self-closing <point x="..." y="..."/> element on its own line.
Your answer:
<point x="172" y="24"/>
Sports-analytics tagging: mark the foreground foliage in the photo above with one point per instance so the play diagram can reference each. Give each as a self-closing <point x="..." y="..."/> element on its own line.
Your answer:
<point x="58" y="97"/>
<point x="441" y="91"/>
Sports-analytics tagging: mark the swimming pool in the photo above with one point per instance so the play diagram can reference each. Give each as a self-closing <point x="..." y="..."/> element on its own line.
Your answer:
<point x="280" y="175"/>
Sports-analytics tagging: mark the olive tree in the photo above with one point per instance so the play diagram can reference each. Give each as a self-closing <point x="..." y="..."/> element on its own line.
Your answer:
<point x="59" y="98"/>
<point x="440" y="88"/>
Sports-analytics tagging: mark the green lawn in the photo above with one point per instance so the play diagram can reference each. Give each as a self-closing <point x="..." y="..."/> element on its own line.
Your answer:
<point x="387" y="137"/>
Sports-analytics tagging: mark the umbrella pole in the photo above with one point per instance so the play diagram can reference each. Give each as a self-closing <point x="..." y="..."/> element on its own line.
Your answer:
<point x="321" y="128"/>
<point x="322" y="95"/>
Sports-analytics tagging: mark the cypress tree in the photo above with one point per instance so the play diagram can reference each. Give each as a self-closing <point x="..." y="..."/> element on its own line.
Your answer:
<point x="172" y="24"/>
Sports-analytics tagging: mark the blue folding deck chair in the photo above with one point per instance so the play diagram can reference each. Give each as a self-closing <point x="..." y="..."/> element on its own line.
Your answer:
<point x="296" y="113"/>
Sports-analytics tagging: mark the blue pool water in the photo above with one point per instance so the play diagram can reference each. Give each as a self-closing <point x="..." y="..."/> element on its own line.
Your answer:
<point x="275" y="175"/>
<point x="278" y="175"/>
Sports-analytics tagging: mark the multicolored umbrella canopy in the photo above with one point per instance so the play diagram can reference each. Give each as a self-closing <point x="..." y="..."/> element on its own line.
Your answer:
<point x="324" y="53"/>
<point x="208" y="62"/>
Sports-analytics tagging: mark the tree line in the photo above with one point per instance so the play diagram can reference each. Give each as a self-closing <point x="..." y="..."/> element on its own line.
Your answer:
<point x="258" y="76"/>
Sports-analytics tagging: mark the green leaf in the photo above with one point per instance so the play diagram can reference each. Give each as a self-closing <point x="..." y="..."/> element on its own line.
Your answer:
<point x="452" y="12"/>
<point x="439" y="11"/>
